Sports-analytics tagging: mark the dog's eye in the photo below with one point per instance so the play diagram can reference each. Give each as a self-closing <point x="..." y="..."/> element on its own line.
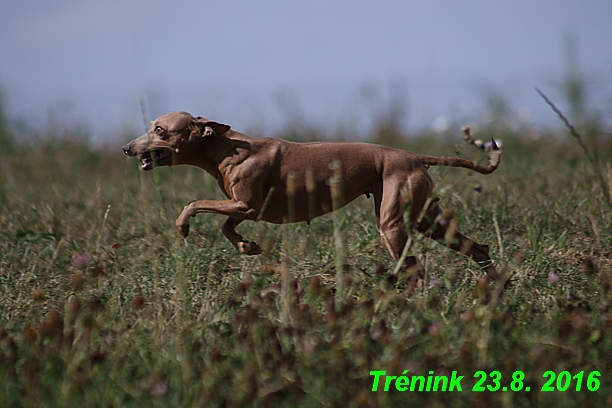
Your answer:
<point x="159" y="130"/>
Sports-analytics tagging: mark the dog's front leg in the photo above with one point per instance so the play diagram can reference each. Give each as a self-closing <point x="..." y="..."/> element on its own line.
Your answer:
<point x="231" y="208"/>
<point x="242" y="245"/>
<point x="182" y="222"/>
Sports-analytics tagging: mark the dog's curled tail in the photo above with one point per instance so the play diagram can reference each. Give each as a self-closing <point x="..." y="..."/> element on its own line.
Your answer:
<point x="494" y="157"/>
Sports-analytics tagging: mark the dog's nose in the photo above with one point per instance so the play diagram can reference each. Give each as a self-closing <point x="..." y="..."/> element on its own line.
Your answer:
<point x="126" y="149"/>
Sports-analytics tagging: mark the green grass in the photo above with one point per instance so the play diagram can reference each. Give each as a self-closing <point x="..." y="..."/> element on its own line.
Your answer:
<point x="101" y="304"/>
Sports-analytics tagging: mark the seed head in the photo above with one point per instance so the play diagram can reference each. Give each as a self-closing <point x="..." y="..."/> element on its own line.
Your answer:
<point x="138" y="302"/>
<point x="38" y="295"/>
<point x="77" y="281"/>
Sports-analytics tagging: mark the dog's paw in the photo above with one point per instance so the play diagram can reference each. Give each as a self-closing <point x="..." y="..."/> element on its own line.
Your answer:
<point x="249" y="248"/>
<point x="182" y="222"/>
<point x="182" y="228"/>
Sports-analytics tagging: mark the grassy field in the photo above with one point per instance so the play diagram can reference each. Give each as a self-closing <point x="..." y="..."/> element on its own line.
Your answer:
<point x="102" y="305"/>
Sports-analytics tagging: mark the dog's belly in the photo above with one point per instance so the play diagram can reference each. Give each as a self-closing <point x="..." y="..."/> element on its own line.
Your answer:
<point x="304" y="205"/>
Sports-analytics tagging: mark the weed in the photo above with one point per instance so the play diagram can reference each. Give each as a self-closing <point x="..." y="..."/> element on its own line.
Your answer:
<point x="102" y="305"/>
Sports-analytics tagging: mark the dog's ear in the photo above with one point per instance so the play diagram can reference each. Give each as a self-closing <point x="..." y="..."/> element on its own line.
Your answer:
<point x="213" y="128"/>
<point x="206" y="128"/>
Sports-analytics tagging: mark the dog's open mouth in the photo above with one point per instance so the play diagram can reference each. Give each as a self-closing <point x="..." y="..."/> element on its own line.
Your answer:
<point x="155" y="158"/>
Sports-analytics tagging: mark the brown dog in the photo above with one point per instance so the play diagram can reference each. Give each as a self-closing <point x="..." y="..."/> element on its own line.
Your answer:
<point x="261" y="177"/>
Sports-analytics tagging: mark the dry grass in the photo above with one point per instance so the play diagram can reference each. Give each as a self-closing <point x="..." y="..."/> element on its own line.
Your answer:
<point x="102" y="305"/>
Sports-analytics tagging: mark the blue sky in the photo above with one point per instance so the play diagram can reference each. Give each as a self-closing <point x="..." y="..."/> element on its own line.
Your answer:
<point x="263" y="66"/>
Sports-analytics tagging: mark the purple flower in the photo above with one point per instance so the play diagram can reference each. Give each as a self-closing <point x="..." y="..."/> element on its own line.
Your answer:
<point x="159" y="389"/>
<point x="553" y="278"/>
<point x="80" y="260"/>
<point x="434" y="329"/>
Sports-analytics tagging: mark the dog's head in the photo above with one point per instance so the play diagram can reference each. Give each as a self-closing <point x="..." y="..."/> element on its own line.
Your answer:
<point x="168" y="139"/>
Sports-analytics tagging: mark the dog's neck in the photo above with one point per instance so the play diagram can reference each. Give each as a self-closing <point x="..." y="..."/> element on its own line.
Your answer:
<point x="219" y="151"/>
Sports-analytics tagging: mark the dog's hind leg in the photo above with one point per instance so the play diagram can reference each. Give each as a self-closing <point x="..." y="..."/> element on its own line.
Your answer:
<point x="389" y="206"/>
<point x="438" y="228"/>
